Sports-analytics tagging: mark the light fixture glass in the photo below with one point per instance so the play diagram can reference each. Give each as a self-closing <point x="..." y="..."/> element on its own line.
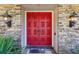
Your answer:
<point x="73" y="19"/>
<point x="5" y="18"/>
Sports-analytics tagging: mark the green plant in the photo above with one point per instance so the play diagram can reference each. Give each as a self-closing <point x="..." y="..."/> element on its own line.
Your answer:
<point x="6" y="45"/>
<point x="77" y="51"/>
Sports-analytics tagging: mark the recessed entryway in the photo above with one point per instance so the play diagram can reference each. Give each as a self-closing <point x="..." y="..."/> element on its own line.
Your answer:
<point x="39" y="26"/>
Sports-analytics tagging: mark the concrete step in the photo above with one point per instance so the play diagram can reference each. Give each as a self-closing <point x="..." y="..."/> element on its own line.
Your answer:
<point x="39" y="50"/>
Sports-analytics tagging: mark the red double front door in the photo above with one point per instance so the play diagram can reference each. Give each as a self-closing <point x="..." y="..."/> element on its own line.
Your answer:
<point x="39" y="28"/>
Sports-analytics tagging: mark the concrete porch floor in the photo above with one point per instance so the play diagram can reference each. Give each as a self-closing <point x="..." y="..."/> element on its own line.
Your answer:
<point x="39" y="50"/>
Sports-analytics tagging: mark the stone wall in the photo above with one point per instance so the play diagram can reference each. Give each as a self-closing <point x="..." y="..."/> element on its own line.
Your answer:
<point x="68" y="37"/>
<point x="15" y="30"/>
<point x="14" y="11"/>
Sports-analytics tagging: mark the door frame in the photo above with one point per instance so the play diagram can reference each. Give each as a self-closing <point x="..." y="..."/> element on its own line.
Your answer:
<point x="25" y="39"/>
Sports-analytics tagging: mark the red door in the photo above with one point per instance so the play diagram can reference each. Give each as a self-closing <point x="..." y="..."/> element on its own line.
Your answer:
<point x="39" y="28"/>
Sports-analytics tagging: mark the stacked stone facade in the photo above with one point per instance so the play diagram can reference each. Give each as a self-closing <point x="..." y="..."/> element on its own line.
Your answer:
<point x="68" y="36"/>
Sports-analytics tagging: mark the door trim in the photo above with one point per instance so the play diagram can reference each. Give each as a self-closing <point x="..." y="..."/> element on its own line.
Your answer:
<point x="25" y="39"/>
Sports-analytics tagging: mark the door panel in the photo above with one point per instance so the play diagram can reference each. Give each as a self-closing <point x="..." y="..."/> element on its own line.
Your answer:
<point x="39" y="28"/>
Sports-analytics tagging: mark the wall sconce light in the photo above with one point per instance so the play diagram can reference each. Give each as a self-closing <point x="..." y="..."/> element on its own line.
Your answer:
<point x="72" y="19"/>
<point x="7" y="19"/>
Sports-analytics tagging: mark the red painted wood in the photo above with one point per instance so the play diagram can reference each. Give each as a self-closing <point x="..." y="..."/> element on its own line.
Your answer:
<point x="39" y="28"/>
